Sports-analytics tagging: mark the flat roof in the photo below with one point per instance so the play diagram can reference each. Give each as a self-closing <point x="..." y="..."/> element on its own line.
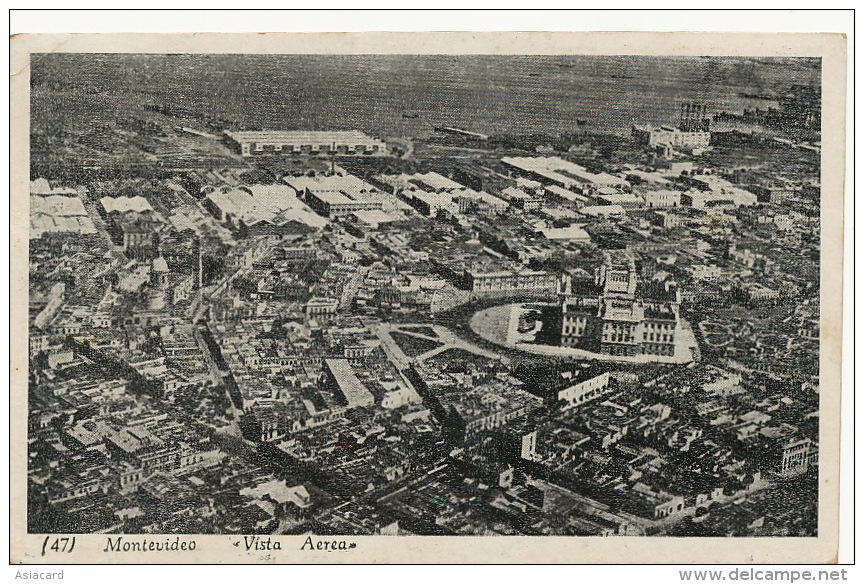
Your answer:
<point x="566" y="194"/>
<point x="437" y="181"/>
<point x="557" y="169"/>
<point x="349" y="384"/>
<point x="374" y="216"/>
<point x="314" y="137"/>
<point x="123" y="204"/>
<point x="332" y="183"/>
<point x="516" y="193"/>
<point x="603" y="210"/>
<point x="572" y="232"/>
<point x="41" y="186"/>
<point x="270" y="204"/>
<point x="335" y="197"/>
<point x="621" y="198"/>
<point x="57" y="205"/>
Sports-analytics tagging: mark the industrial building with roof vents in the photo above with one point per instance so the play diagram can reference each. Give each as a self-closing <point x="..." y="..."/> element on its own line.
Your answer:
<point x="297" y="142"/>
<point x="57" y="211"/>
<point x="563" y="173"/>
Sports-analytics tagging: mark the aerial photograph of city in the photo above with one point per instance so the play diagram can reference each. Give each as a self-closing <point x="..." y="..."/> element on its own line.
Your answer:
<point x="437" y="295"/>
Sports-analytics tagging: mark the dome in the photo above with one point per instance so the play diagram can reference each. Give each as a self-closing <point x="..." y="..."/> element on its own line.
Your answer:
<point x="159" y="265"/>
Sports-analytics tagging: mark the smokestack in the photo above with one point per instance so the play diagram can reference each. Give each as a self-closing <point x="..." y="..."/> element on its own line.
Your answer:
<point x="200" y="266"/>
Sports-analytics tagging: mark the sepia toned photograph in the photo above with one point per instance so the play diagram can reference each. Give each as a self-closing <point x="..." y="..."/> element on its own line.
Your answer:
<point x="279" y="302"/>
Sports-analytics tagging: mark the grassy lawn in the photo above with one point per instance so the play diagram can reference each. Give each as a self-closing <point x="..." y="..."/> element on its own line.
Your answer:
<point x="414" y="346"/>
<point x="456" y="360"/>
<point x="423" y="330"/>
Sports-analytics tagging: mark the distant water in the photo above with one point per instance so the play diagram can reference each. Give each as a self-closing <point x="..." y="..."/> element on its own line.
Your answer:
<point x="488" y="94"/>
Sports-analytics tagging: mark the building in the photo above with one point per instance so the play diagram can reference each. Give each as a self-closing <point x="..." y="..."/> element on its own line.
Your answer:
<point x="725" y="199"/>
<point x="757" y="294"/>
<point x="158" y="288"/>
<point x="487" y="408"/>
<point x="399" y="397"/>
<point x="337" y="195"/>
<point x="431" y="193"/>
<point x="180" y="287"/>
<point x="651" y="179"/>
<point x="603" y="211"/>
<point x="136" y="204"/>
<point x="662" y="198"/>
<point x="338" y="204"/>
<point x="671" y="137"/>
<point x="510" y="283"/>
<point x="646" y="502"/>
<point x="705" y="272"/>
<point x="141" y="453"/>
<point x="576" y="199"/>
<point x="572" y="233"/>
<point x="781" y="450"/>
<point x="617" y="314"/>
<point x="319" y="305"/>
<point x="246" y="207"/>
<point x="347" y="384"/>
<point x="522" y="199"/>
<point x="292" y="143"/>
<point x="609" y="196"/>
<point x="692" y="133"/>
<point x="432" y="203"/>
<point x="771" y="194"/>
<point x="376" y="219"/>
<point x="60" y="213"/>
<point x="132" y="223"/>
<point x="664" y="219"/>
<point x="563" y="173"/>
<point x="137" y="234"/>
<point x="584" y="391"/>
<point x="714" y="192"/>
<point x="53" y="304"/>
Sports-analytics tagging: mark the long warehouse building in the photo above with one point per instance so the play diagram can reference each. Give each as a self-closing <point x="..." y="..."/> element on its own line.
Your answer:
<point x="292" y="142"/>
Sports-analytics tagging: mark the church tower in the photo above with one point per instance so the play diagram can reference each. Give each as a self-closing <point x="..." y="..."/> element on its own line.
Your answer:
<point x="158" y="281"/>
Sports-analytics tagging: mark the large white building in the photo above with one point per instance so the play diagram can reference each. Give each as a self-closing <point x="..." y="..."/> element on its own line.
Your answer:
<point x="292" y="142"/>
<point x="58" y="214"/>
<point x="617" y="314"/>
<point x="584" y="391"/>
<point x="251" y="205"/>
<point x="431" y="192"/>
<point x="337" y="195"/>
<point x="662" y="198"/>
<point x="718" y="198"/>
<point x="504" y="283"/>
<point x="563" y="173"/>
<point x="672" y="137"/>
<point x="347" y="383"/>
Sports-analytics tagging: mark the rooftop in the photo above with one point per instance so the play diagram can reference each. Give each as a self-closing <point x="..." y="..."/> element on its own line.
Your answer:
<point x="349" y="384"/>
<point x="125" y="204"/>
<point x="350" y="137"/>
<point x="573" y="232"/>
<point x="562" y="170"/>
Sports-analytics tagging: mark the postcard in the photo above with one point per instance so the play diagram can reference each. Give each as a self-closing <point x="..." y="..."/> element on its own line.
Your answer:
<point x="426" y="297"/>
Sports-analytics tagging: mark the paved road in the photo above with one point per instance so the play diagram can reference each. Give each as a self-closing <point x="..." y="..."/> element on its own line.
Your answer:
<point x="217" y="376"/>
